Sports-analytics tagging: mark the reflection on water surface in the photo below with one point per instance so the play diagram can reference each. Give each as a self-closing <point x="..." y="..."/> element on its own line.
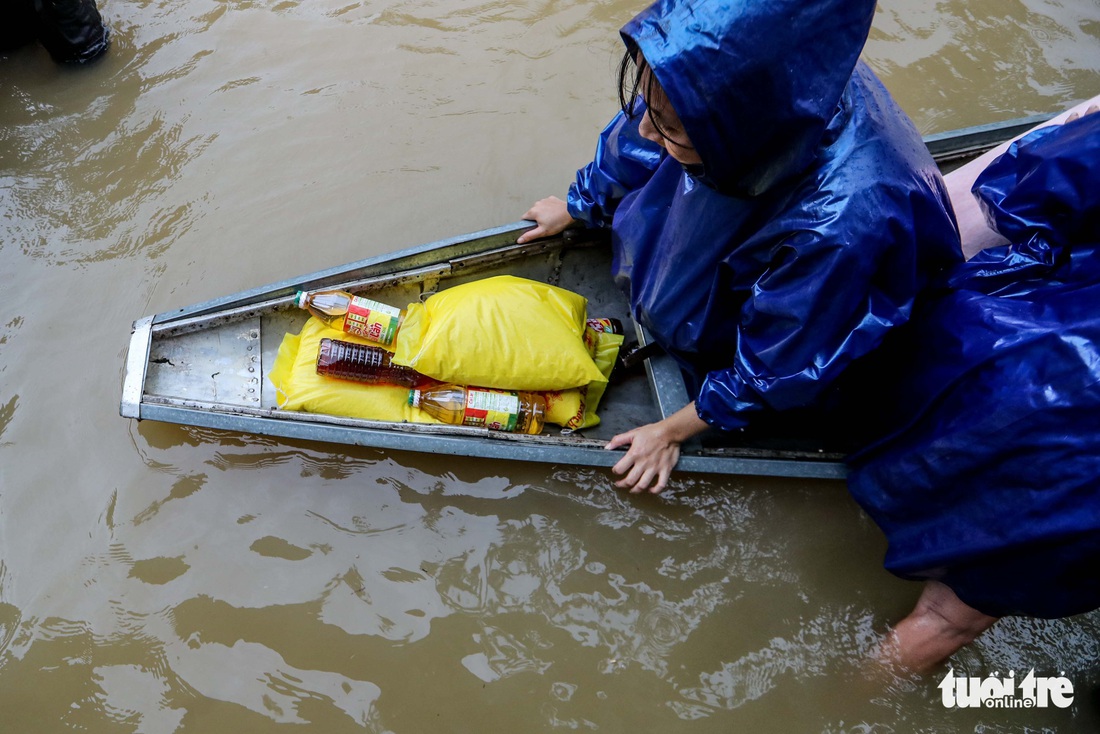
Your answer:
<point x="155" y="578"/>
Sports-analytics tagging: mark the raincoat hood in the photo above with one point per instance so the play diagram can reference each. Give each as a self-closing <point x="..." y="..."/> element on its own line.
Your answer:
<point x="820" y="217"/>
<point x="754" y="82"/>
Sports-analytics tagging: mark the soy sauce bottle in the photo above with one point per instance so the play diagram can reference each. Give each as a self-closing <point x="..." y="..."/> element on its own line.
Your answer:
<point x="363" y="363"/>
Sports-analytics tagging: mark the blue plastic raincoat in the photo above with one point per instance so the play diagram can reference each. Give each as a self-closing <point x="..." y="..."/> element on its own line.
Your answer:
<point x="990" y="478"/>
<point x="816" y="219"/>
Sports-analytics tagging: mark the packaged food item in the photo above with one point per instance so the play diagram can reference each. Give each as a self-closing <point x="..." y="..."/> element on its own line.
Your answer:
<point x="363" y="363"/>
<point x="298" y="386"/>
<point x="371" y="320"/>
<point x="502" y="332"/>
<point x="497" y="410"/>
<point x="575" y="409"/>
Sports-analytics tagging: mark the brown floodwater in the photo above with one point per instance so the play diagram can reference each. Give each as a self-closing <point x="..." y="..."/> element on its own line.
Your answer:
<point x="156" y="578"/>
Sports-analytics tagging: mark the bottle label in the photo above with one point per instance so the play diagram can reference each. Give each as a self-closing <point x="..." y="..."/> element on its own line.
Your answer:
<point x="493" y="409"/>
<point x="602" y="326"/>
<point x="372" y="320"/>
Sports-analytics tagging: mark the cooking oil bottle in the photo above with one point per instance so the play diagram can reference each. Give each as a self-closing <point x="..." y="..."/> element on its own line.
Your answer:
<point x="497" y="410"/>
<point x="374" y="321"/>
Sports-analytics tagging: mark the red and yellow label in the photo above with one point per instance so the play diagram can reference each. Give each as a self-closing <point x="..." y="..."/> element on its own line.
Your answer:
<point x="602" y="326"/>
<point x="372" y="320"/>
<point x="496" y="410"/>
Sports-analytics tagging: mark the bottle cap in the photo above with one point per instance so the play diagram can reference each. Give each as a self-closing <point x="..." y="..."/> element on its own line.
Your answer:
<point x="414" y="398"/>
<point x="300" y="299"/>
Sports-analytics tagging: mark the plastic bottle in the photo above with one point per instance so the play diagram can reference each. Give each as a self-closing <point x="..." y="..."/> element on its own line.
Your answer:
<point x="364" y="363"/>
<point x="497" y="410"/>
<point x="605" y="325"/>
<point x="594" y="327"/>
<point x="363" y="317"/>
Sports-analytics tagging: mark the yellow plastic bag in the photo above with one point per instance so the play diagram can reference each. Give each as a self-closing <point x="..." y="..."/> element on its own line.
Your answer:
<point x="294" y="375"/>
<point x="540" y="330"/>
<point x="575" y="408"/>
<point x="503" y="332"/>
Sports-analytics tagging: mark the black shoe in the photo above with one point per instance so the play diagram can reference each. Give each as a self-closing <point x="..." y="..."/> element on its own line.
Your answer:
<point x="72" y="30"/>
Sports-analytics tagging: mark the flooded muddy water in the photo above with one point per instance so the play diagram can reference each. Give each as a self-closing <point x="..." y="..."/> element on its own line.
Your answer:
<point x="156" y="578"/>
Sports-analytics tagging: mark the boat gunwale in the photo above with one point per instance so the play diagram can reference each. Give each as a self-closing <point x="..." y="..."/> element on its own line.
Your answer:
<point x="426" y="255"/>
<point x="972" y="141"/>
<point x="492" y="446"/>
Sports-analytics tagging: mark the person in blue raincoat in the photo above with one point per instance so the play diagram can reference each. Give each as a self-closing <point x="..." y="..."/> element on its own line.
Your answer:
<point x="773" y="213"/>
<point x="986" y="480"/>
<point x="779" y="227"/>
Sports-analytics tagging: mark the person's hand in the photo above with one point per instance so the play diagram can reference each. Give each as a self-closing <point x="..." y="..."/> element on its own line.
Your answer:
<point x="551" y="216"/>
<point x="649" y="461"/>
<point x="654" y="450"/>
<point x="1092" y="110"/>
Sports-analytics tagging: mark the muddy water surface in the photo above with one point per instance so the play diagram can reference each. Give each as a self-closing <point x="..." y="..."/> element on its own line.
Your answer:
<point x="157" y="579"/>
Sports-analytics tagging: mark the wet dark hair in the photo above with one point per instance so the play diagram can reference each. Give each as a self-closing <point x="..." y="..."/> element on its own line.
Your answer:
<point x="632" y="70"/>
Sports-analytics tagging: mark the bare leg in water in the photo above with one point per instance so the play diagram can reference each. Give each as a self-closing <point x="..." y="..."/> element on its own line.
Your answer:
<point x="939" y="625"/>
